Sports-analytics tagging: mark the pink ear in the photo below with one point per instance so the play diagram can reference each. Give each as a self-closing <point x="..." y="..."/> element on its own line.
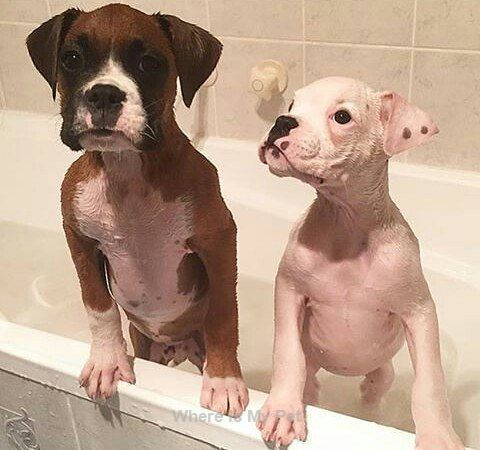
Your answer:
<point x="405" y="125"/>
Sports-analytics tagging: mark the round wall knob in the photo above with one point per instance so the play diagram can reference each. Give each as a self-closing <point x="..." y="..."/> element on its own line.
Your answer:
<point x="268" y="79"/>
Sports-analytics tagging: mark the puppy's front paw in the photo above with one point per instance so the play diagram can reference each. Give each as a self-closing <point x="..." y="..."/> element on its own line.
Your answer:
<point x="435" y="440"/>
<point x="282" y="420"/>
<point x="227" y="395"/>
<point x="105" y="367"/>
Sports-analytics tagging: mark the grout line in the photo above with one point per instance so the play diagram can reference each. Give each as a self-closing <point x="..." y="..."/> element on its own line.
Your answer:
<point x="213" y="88"/>
<point x="412" y="51"/>
<point x="412" y="61"/>
<point x="49" y="9"/>
<point x="23" y="24"/>
<point x="304" y="45"/>
<point x="351" y="44"/>
<point x="3" y="96"/>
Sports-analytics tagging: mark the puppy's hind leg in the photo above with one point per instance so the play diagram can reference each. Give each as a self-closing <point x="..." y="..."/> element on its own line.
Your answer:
<point x="376" y="384"/>
<point x="311" y="391"/>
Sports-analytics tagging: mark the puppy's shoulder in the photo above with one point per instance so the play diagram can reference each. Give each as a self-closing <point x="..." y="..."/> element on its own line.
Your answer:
<point x="83" y="169"/>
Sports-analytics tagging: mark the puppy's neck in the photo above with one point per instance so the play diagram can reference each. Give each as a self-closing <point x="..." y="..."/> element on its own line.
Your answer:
<point x="360" y="200"/>
<point x="142" y="171"/>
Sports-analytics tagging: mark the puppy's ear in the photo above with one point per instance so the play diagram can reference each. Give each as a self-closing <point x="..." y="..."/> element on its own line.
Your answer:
<point x="44" y="44"/>
<point x="196" y="53"/>
<point x="405" y="126"/>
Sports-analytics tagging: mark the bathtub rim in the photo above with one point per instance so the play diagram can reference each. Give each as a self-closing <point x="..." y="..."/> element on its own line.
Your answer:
<point x="55" y="361"/>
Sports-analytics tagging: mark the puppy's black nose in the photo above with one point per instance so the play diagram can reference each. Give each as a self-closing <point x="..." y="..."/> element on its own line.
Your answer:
<point x="104" y="96"/>
<point x="104" y="101"/>
<point x="283" y="126"/>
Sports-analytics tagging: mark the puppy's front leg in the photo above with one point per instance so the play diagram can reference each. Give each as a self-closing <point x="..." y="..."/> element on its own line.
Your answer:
<point x="108" y="360"/>
<point x="223" y="388"/>
<point x="430" y="407"/>
<point x="282" y="417"/>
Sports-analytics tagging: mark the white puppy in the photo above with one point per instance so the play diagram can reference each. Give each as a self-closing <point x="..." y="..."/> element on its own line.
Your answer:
<point x="350" y="286"/>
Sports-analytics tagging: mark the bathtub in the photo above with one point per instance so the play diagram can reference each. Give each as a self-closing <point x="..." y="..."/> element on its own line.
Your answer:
<point x="44" y="335"/>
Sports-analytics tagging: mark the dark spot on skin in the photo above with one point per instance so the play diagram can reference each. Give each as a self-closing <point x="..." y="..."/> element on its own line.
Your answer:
<point x="141" y="282"/>
<point x="177" y="242"/>
<point x="424" y="130"/>
<point x="368" y="107"/>
<point x="134" y="303"/>
<point x="406" y="133"/>
<point x="284" y="145"/>
<point x="158" y="297"/>
<point x="192" y="276"/>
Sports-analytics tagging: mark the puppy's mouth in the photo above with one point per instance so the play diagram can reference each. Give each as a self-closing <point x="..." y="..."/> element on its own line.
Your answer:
<point x="102" y="132"/>
<point x="104" y="139"/>
<point x="275" y="150"/>
<point x="293" y="170"/>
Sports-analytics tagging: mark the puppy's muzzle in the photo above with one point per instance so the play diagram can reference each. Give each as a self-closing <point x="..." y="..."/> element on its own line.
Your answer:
<point x="105" y="103"/>
<point x="283" y="126"/>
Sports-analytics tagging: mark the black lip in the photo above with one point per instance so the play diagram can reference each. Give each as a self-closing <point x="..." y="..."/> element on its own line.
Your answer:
<point x="276" y="151"/>
<point x="101" y="132"/>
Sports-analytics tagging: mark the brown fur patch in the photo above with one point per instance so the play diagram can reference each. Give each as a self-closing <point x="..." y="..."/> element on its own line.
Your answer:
<point x="192" y="276"/>
<point x="141" y="343"/>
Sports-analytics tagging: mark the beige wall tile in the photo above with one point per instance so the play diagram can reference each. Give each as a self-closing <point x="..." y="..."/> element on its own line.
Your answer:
<point x="23" y="10"/>
<point x="190" y="10"/>
<point x="240" y="114"/>
<point x="276" y="19"/>
<point x="198" y="121"/>
<point x="381" y="68"/>
<point x="24" y="87"/>
<point x="360" y="21"/>
<point x="447" y="85"/>
<point x="58" y="6"/>
<point x="448" y="24"/>
<point x="194" y="11"/>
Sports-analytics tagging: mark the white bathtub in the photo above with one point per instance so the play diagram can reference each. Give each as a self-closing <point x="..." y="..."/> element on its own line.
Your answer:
<point x="43" y="334"/>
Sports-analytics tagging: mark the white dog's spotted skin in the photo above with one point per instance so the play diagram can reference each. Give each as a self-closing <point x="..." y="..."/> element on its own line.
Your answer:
<point x="350" y="285"/>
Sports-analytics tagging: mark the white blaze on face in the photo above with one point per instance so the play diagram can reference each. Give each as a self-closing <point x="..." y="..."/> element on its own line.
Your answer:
<point x="132" y="119"/>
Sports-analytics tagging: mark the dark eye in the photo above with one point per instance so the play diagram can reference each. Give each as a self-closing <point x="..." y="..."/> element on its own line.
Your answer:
<point x="290" y="107"/>
<point x="72" y="61"/>
<point x="342" y="117"/>
<point x="149" y="64"/>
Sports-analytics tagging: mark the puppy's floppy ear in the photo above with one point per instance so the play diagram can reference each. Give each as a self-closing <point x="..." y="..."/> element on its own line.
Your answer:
<point x="44" y="44"/>
<point x="405" y="126"/>
<point x="196" y="53"/>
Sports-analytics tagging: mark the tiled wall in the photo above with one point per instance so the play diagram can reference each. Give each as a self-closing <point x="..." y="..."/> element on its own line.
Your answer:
<point x="428" y="50"/>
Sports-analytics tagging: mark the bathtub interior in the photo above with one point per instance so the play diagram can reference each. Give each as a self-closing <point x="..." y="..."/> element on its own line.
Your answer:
<point x="39" y="287"/>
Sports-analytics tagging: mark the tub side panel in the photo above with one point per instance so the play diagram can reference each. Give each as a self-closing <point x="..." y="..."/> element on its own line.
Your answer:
<point x="48" y="411"/>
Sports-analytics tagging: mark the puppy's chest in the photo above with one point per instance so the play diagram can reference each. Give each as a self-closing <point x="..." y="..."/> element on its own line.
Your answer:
<point x="362" y="281"/>
<point x="131" y="219"/>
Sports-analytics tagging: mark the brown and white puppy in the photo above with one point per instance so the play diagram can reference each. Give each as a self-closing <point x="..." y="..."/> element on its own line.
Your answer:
<point x="146" y="224"/>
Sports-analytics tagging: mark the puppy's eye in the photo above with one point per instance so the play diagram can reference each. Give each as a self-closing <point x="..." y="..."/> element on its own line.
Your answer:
<point x="290" y="107"/>
<point x="342" y="117"/>
<point x="72" y="61"/>
<point x="149" y="64"/>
